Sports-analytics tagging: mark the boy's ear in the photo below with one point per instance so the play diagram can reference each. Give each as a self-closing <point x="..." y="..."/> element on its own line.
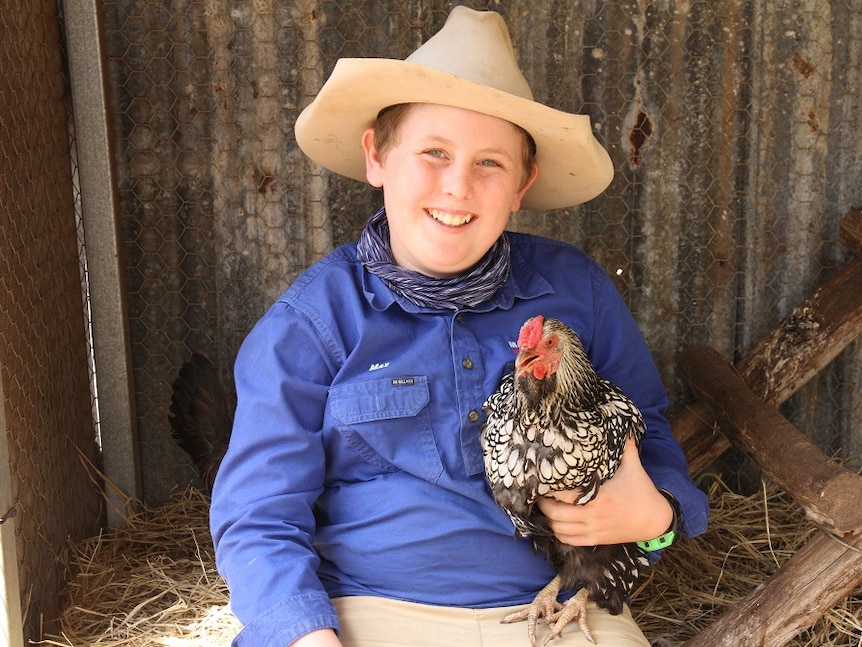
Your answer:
<point x="534" y="173"/>
<point x="373" y="163"/>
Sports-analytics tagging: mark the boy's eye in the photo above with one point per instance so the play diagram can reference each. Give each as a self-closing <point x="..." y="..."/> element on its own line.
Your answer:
<point x="434" y="152"/>
<point x="489" y="163"/>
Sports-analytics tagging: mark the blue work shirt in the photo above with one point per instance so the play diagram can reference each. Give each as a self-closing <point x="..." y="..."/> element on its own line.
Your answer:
<point x="355" y="467"/>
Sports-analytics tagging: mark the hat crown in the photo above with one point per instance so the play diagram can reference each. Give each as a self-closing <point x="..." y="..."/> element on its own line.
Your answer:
<point x="475" y="45"/>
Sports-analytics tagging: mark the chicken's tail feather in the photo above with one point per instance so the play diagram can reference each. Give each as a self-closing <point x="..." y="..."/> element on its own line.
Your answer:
<point x="200" y="416"/>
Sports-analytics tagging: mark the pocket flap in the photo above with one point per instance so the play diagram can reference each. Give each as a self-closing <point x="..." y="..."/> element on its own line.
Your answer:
<point x="380" y="399"/>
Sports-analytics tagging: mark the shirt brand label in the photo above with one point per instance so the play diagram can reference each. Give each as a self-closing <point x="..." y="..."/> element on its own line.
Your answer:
<point x="378" y="366"/>
<point x="403" y="381"/>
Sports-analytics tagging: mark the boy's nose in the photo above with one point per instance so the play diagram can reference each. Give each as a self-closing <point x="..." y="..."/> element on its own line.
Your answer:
<point x="458" y="181"/>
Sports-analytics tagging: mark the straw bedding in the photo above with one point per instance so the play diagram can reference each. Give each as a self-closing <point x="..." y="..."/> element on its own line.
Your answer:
<point x="153" y="583"/>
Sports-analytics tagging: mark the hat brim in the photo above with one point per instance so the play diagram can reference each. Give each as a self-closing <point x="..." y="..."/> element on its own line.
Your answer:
<point x="573" y="166"/>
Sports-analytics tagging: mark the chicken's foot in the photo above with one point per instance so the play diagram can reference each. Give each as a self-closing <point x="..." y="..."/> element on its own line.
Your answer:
<point x="544" y="605"/>
<point x="574" y="607"/>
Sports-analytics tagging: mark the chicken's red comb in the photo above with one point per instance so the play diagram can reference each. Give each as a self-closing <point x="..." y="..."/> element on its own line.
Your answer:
<point x="531" y="332"/>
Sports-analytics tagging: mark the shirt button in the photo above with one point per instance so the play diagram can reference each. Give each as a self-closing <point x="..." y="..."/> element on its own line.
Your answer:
<point x="473" y="416"/>
<point x="467" y="363"/>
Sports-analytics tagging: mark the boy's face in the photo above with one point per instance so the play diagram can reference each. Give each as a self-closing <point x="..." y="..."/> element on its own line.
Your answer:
<point x="451" y="178"/>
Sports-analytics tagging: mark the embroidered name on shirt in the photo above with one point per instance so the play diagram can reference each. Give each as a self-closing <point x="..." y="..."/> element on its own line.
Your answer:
<point x="377" y="367"/>
<point x="403" y="381"/>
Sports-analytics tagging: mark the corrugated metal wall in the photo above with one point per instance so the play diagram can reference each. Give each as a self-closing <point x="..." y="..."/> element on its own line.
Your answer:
<point x="733" y="126"/>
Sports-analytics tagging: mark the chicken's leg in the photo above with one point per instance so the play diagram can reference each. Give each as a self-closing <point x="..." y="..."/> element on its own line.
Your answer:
<point x="544" y="605"/>
<point x="557" y="615"/>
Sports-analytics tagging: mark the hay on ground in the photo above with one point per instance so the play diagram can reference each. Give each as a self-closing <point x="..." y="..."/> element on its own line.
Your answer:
<point x="748" y="540"/>
<point x="154" y="582"/>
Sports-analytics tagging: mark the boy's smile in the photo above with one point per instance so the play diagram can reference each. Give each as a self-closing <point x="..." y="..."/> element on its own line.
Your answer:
<point x="453" y="220"/>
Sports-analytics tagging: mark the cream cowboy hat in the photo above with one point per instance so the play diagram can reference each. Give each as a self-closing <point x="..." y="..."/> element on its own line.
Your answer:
<point x="469" y="63"/>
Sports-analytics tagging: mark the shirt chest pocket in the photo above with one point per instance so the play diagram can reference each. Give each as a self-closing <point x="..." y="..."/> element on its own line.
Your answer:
<point x="388" y="423"/>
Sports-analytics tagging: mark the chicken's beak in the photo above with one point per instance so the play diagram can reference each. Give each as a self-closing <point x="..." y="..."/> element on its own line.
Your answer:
<point x="528" y="362"/>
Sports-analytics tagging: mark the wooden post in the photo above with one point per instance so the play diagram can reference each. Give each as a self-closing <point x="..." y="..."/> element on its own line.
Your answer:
<point x="821" y="574"/>
<point x="829" y="493"/>
<point x="851" y="231"/>
<point x="782" y="362"/>
<point x="11" y="612"/>
<point x="744" y="398"/>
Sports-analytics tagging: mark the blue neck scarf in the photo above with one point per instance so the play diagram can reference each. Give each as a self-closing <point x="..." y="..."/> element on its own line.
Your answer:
<point x="463" y="291"/>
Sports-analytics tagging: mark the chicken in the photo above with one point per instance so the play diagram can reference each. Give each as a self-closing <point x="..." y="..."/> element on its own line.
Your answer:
<point x="554" y="425"/>
<point x="201" y="418"/>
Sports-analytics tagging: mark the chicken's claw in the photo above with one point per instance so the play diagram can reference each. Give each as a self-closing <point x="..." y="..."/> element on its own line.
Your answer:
<point x="575" y="607"/>
<point x="544" y="605"/>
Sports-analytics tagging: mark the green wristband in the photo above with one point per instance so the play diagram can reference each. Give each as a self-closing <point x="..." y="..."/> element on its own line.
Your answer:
<point x="665" y="540"/>
<point x="660" y="542"/>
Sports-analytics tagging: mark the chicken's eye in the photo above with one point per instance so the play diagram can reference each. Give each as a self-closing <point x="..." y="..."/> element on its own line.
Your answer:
<point x="550" y="342"/>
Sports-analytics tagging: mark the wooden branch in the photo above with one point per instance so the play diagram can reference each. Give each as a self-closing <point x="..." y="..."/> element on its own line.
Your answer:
<point x="813" y="335"/>
<point x="850" y="233"/>
<point x="826" y="570"/>
<point x="786" y="359"/>
<point x="829" y="493"/>
<point x="781" y="363"/>
<point x="698" y="435"/>
<point x="820" y="575"/>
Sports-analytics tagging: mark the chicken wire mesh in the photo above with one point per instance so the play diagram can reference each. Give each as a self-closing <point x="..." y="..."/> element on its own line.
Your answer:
<point x="46" y="417"/>
<point x="733" y="127"/>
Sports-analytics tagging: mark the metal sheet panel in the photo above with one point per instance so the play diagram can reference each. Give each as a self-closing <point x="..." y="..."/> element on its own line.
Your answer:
<point x="733" y="127"/>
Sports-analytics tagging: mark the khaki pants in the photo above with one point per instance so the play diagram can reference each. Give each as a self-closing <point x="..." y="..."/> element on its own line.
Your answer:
<point x="380" y="622"/>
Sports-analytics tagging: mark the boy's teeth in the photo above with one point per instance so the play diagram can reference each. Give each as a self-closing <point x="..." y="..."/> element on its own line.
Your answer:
<point x="450" y="219"/>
